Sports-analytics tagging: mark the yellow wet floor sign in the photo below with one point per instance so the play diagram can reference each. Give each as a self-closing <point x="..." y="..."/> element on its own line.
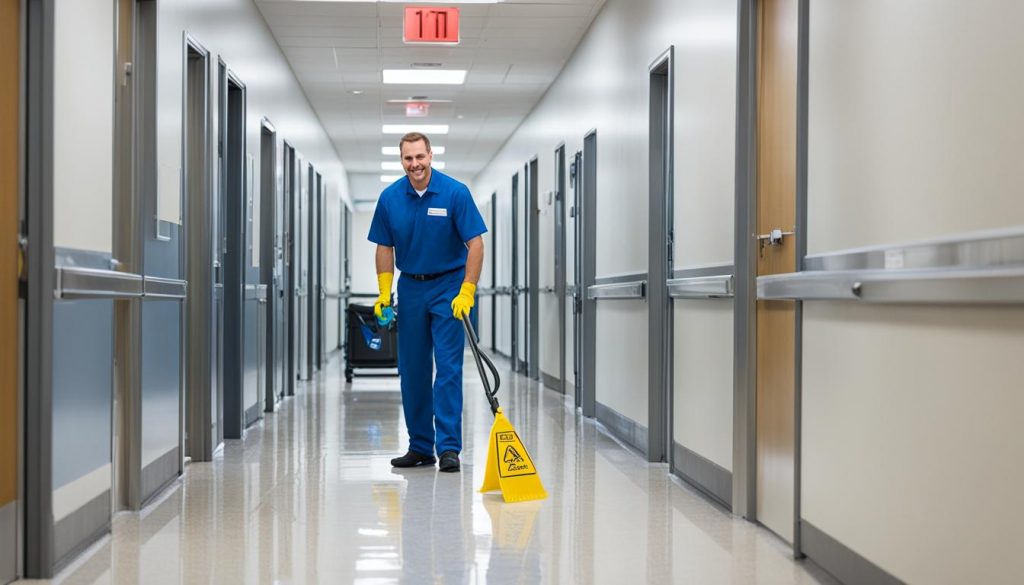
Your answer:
<point x="509" y="467"/>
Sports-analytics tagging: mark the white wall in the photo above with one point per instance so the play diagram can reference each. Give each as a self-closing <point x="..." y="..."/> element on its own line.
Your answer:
<point x="605" y="86"/>
<point x="83" y="134"/>
<point x="911" y="415"/>
<point x="363" y="253"/>
<point x="234" y="31"/>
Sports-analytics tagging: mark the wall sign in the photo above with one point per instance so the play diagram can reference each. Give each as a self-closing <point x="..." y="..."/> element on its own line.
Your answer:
<point x="431" y="25"/>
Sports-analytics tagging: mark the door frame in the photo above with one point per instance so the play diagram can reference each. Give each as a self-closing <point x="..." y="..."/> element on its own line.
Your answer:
<point x="494" y="271"/>
<point x="231" y="150"/>
<point x="746" y="249"/>
<point x="290" y="207"/>
<point x="38" y="164"/>
<point x="588" y="258"/>
<point x="561" y="272"/>
<point x="514" y="349"/>
<point x="200" y="305"/>
<point x="659" y="304"/>
<point x="532" y="213"/>
<point x="268" y="258"/>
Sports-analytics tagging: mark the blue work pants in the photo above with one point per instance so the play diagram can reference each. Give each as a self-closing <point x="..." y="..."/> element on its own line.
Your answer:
<point x="427" y="329"/>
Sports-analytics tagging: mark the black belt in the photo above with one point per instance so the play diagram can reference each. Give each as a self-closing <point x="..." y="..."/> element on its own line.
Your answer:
<point x="422" y="277"/>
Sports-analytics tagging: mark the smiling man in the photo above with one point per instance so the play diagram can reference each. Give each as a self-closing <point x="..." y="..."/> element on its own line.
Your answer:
<point x="428" y="225"/>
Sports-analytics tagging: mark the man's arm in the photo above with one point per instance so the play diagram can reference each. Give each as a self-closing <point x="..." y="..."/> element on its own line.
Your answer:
<point x="386" y="260"/>
<point x="475" y="260"/>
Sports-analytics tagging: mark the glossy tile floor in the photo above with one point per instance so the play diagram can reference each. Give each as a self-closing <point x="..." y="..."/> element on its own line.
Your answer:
<point x="309" y="497"/>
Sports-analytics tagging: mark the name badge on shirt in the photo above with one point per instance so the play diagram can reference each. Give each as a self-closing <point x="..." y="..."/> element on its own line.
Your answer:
<point x="437" y="211"/>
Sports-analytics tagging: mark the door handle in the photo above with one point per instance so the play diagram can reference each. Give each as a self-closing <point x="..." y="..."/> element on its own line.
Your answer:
<point x="772" y="238"/>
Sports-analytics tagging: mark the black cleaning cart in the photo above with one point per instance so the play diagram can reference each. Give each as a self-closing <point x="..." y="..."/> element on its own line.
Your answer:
<point x="369" y="345"/>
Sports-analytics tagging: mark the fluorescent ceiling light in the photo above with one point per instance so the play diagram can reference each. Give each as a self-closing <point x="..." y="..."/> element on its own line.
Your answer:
<point x="426" y="76"/>
<point x="390" y="178"/>
<point x="395" y="151"/>
<point x="426" y="101"/>
<point x="394" y="165"/>
<point x="422" y="128"/>
<point x="420" y="1"/>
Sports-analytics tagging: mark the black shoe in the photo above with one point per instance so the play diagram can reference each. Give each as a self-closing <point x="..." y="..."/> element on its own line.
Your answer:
<point x="412" y="459"/>
<point x="449" y="462"/>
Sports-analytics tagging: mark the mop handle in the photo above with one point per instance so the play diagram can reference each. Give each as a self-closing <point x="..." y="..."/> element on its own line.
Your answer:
<point x="482" y="358"/>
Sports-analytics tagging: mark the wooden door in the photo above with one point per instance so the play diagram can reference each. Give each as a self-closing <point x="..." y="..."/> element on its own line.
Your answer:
<point x="776" y="209"/>
<point x="9" y="88"/>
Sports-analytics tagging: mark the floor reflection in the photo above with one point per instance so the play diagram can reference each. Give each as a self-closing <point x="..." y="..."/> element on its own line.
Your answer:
<point x="309" y="497"/>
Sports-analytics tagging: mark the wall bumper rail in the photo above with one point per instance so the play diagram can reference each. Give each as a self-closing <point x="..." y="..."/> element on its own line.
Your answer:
<point x="718" y="286"/>
<point x="976" y="286"/>
<point x="73" y="282"/>
<point x="985" y="268"/>
<point x="156" y="288"/>
<point x="619" y="290"/>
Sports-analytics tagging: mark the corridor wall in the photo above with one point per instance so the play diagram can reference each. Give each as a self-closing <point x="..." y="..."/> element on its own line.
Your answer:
<point x="911" y="413"/>
<point x="604" y="86"/>
<point x="84" y="416"/>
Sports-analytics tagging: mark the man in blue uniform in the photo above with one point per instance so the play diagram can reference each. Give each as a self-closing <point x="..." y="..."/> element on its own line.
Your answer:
<point x="428" y="225"/>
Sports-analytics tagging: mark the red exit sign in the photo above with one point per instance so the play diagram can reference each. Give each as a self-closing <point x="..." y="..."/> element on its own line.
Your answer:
<point x="431" y="25"/>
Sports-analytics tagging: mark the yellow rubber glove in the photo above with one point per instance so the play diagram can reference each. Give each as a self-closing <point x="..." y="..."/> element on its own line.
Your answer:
<point x="384" y="280"/>
<point x="464" y="302"/>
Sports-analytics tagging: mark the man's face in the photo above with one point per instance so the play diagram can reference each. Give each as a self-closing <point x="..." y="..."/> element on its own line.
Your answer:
<point x="416" y="160"/>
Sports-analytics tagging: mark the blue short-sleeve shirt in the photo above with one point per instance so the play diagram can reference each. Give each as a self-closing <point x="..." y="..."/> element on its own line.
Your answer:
<point x="428" y="233"/>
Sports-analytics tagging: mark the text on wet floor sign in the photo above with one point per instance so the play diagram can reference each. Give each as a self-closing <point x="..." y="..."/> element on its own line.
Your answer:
<point x="515" y="461"/>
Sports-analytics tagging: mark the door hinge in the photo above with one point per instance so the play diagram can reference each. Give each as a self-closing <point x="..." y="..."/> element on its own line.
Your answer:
<point x="22" y="261"/>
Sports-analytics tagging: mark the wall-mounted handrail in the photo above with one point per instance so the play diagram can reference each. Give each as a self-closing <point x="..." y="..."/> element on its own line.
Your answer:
<point x="156" y="288"/>
<point x="73" y="282"/>
<point x="986" y="268"/>
<point x="920" y="286"/>
<point x="701" y="287"/>
<point x="619" y="290"/>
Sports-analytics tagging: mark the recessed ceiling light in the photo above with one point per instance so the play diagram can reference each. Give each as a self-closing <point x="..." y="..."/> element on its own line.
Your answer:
<point x="390" y="178"/>
<point x="406" y="128"/>
<point x="425" y="76"/>
<point x="394" y="165"/>
<point x="356" y="92"/>
<point x="395" y="151"/>
<point x="423" y="100"/>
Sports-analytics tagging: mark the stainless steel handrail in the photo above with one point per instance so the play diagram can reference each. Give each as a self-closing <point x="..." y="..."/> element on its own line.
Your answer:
<point x="978" y="268"/>
<point x="923" y="286"/>
<point x="157" y="288"/>
<point x="72" y="282"/>
<point x="619" y="290"/>
<point x="701" y="287"/>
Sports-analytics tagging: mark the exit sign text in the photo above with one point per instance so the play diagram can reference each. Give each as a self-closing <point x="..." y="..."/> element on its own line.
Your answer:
<point x="431" y="25"/>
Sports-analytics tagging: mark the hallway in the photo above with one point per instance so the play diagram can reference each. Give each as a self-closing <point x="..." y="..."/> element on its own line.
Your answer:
<point x="309" y="497"/>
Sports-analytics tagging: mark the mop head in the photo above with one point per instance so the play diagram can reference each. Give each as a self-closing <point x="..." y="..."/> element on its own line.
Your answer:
<point x="509" y="467"/>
